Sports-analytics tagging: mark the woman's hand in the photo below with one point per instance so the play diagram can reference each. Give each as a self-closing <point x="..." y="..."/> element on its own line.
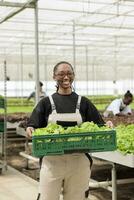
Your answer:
<point x="29" y="131"/>
<point x="110" y="124"/>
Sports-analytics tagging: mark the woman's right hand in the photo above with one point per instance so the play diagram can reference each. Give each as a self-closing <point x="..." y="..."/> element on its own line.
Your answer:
<point x="29" y="131"/>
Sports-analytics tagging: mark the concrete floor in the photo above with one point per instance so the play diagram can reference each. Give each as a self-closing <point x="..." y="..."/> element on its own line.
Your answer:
<point x="17" y="186"/>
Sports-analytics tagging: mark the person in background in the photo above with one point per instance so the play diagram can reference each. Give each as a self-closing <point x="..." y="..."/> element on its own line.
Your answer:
<point x="41" y="92"/>
<point x="120" y="107"/>
<point x="7" y="78"/>
<point x="71" y="172"/>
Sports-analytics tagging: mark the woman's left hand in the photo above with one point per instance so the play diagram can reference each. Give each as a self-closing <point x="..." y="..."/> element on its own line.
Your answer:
<point x="110" y="124"/>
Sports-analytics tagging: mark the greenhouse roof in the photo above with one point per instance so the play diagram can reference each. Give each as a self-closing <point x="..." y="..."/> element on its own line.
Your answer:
<point x="104" y="27"/>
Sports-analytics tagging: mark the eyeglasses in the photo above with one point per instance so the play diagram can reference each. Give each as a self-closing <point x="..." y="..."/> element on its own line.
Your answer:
<point x="62" y="75"/>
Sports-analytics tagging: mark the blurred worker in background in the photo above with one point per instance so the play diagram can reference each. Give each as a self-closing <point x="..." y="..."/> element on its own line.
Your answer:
<point x="67" y="108"/>
<point x="41" y="92"/>
<point x="120" y="107"/>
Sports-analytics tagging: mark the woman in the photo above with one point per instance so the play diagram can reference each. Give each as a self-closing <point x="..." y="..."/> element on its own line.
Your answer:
<point x="120" y="107"/>
<point x="70" y="171"/>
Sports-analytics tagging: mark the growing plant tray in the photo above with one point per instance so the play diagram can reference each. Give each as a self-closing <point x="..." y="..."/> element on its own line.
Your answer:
<point x="58" y="144"/>
<point x="2" y="126"/>
<point x="116" y="157"/>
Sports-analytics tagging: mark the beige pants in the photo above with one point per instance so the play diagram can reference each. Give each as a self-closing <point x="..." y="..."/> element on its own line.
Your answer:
<point x="71" y="171"/>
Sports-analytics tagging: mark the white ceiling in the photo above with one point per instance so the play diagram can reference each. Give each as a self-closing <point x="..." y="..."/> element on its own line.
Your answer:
<point x="105" y="28"/>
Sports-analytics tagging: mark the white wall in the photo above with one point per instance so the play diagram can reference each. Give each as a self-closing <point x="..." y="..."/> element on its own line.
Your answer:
<point x="19" y="89"/>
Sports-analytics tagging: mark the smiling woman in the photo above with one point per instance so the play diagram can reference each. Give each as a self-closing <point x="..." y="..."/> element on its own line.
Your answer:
<point x="63" y="74"/>
<point x="66" y="108"/>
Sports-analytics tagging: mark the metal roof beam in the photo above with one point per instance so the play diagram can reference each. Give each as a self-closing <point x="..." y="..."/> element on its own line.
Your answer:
<point x="78" y="39"/>
<point x="105" y="26"/>
<point x="99" y="3"/>
<point x="89" y="12"/>
<point x="82" y="25"/>
<point x="129" y="0"/>
<point x="17" y="11"/>
<point x="10" y="4"/>
<point x="65" y="45"/>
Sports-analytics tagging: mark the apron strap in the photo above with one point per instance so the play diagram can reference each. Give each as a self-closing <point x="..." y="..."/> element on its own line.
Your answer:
<point x="78" y="104"/>
<point x="52" y="103"/>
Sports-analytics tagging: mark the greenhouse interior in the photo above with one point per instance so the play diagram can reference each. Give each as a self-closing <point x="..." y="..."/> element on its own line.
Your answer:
<point x="80" y="53"/>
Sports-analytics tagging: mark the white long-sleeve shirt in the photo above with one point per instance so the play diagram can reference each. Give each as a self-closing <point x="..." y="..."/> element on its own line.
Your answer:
<point x="117" y="106"/>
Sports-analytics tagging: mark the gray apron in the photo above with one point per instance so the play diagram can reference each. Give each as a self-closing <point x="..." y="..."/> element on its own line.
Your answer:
<point x="65" y="117"/>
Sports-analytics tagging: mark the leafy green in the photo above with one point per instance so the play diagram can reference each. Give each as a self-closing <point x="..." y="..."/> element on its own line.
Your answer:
<point x="125" y="138"/>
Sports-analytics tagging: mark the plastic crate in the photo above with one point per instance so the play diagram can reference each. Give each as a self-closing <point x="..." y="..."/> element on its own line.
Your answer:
<point x="59" y="144"/>
<point x="2" y="103"/>
<point x="1" y="126"/>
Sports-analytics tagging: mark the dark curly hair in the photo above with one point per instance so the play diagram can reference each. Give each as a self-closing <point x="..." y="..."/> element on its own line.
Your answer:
<point x="128" y="94"/>
<point x="62" y="62"/>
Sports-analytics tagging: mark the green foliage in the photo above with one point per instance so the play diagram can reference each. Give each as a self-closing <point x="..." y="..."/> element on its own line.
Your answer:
<point x="17" y="109"/>
<point x="50" y="129"/>
<point x="125" y="138"/>
<point x="53" y="128"/>
<point x="57" y="129"/>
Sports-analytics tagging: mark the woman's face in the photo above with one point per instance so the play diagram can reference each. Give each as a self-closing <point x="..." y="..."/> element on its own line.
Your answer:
<point x="128" y="100"/>
<point x="64" y="76"/>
